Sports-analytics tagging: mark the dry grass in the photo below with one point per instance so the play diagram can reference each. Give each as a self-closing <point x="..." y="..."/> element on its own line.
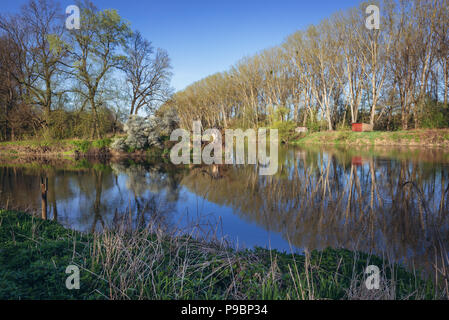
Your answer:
<point x="148" y="262"/>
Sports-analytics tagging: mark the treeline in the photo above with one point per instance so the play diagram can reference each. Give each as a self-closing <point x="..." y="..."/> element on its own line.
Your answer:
<point x="337" y="73"/>
<point x="61" y="83"/>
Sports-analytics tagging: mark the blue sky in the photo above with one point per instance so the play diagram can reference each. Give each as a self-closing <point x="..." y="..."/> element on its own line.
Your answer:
<point x="205" y="37"/>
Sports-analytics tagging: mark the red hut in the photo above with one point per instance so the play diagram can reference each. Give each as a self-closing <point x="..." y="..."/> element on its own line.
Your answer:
<point x="361" y="127"/>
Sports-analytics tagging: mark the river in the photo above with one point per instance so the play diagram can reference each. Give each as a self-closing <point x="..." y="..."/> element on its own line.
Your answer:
<point x="391" y="202"/>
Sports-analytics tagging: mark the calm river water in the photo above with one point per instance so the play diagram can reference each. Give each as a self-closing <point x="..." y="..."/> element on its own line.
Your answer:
<point x="392" y="202"/>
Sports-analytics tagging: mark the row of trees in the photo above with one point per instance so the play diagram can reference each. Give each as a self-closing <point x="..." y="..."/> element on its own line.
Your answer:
<point x="78" y="82"/>
<point x="336" y="73"/>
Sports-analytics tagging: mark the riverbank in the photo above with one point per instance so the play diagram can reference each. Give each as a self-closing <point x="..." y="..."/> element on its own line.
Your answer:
<point x="412" y="138"/>
<point x="39" y="148"/>
<point x="70" y="149"/>
<point x="126" y="263"/>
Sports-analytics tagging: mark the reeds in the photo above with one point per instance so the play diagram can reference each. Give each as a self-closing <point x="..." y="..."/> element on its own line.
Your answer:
<point x="146" y="261"/>
<point x="150" y="262"/>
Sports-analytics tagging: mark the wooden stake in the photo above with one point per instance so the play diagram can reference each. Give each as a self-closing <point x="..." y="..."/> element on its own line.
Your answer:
<point x="44" y="190"/>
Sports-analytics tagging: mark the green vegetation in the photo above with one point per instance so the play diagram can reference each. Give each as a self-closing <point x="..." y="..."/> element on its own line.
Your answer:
<point x="51" y="147"/>
<point x="82" y="145"/>
<point x="139" y="264"/>
<point x="75" y="84"/>
<point x="286" y="130"/>
<point x="85" y="146"/>
<point x="397" y="138"/>
<point x="436" y="115"/>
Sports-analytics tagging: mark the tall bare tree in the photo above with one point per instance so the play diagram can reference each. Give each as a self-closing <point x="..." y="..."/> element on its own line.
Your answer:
<point x="31" y="32"/>
<point x="147" y="73"/>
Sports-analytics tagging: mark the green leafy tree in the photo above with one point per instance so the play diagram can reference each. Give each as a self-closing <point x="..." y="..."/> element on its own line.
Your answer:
<point x="95" y="52"/>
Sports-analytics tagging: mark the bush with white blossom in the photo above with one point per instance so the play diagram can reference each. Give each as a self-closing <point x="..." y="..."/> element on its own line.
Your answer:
<point x="146" y="132"/>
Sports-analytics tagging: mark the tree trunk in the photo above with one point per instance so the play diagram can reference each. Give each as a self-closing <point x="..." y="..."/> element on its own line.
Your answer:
<point x="404" y="120"/>
<point x="95" y="131"/>
<point x="329" y="121"/>
<point x="131" y="112"/>
<point x="48" y="101"/>
<point x="305" y="118"/>
<point x="374" y="93"/>
<point x="446" y="76"/>
<point x="44" y="190"/>
<point x="225" y="121"/>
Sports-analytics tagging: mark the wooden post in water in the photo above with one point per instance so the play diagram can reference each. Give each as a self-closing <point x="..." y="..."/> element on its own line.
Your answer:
<point x="44" y="190"/>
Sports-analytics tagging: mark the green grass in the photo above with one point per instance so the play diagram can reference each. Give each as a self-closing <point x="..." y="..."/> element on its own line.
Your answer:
<point x="82" y="145"/>
<point x="33" y="257"/>
<point x="64" y="147"/>
<point x="37" y="143"/>
<point x="102" y="143"/>
<point x="139" y="264"/>
<point x="85" y="145"/>
<point x="419" y="137"/>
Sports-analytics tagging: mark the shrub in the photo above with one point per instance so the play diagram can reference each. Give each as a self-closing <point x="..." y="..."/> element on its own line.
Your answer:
<point x="436" y="115"/>
<point x="82" y="145"/>
<point x="143" y="133"/>
<point x="102" y="143"/>
<point x="286" y="130"/>
<point x="119" y="144"/>
<point x="137" y="129"/>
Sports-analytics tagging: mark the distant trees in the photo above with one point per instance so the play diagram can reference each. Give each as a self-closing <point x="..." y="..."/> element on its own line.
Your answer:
<point x="336" y="73"/>
<point x="61" y="83"/>
<point x="51" y="77"/>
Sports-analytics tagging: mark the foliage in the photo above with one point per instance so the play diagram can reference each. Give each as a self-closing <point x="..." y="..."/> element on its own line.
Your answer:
<point x="143" y="133"/>
<point x="286" y="130"/>
<point x="33" y="257"/>
<point x="141" y="265"/>
<point x="56" y="83"/>
<point x="119" y="144"/>
<point x="435" y="115"/>
<point x="102" y="143"/>
<point x="82" y="145"/>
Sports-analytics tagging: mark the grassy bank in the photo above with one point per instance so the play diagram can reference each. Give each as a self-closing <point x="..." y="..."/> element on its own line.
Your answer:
<point x="46" y="148"/>
<point x="74" y="148"/>
<point x="141" y="264"/>
<point x="427" y="138"/>
<point x="51" y="148"/>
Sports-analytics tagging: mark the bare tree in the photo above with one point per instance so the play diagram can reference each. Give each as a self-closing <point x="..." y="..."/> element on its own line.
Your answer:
<point x="148" y="74"/>
<point x="338" y="63"/>
<point x="323" y="60"/>
<point x="32" y="32"/>
<point x="353" y="71"/>
<point x="442" y="35"/>
<point x="373" y="48"/>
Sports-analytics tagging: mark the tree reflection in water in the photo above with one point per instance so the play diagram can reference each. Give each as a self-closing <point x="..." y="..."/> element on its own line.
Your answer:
<point x="392" y="207"/>
<point x="393" y="203"/>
